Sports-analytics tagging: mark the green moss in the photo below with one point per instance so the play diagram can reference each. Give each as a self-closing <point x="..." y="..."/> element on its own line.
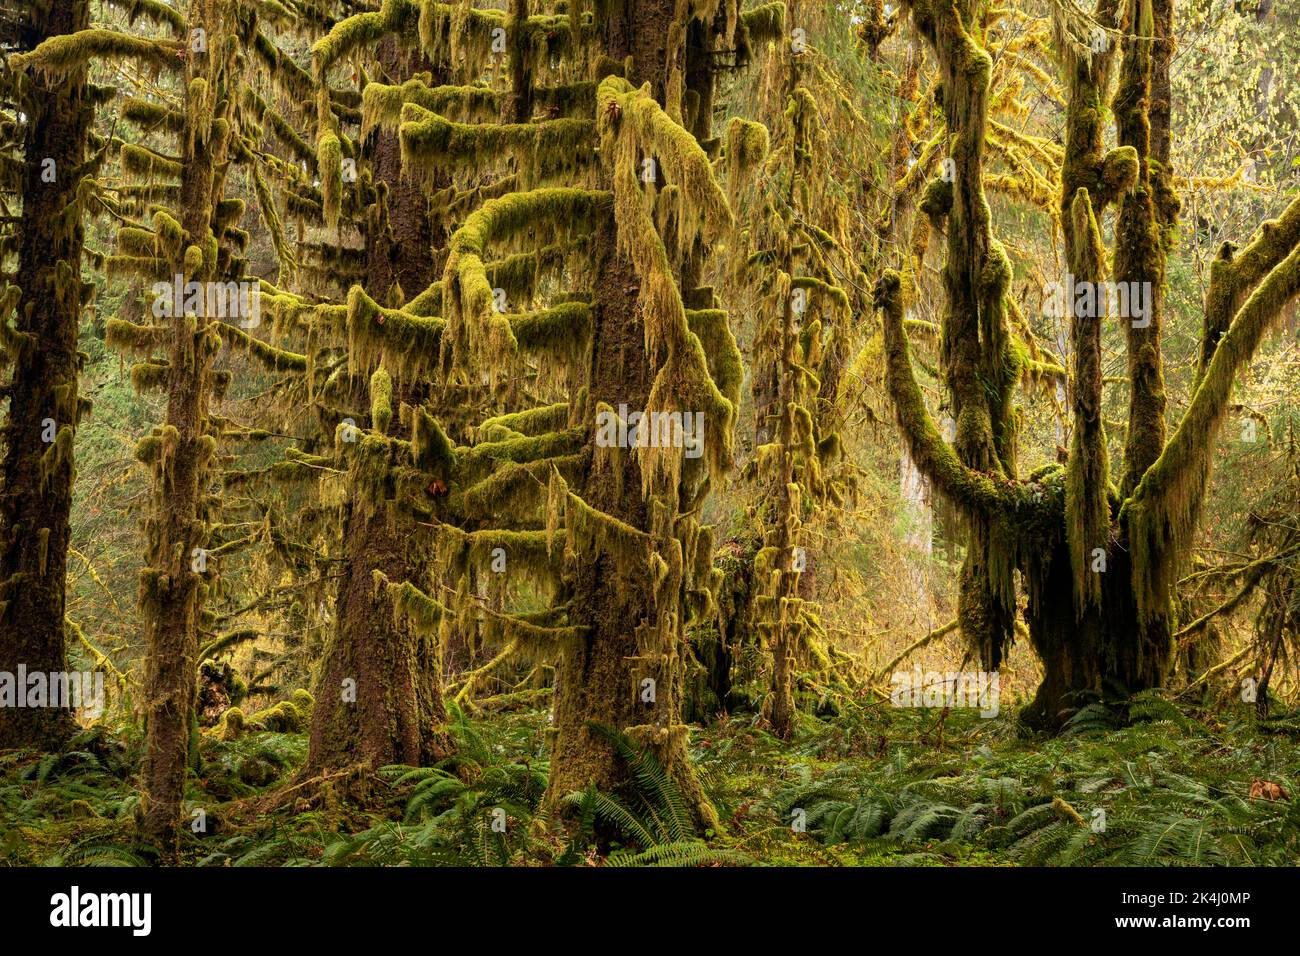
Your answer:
<point x="381" y="399"/>
<point x="429" y="141"/>
<point x="476" y="331"/>
<point x="276" y="359"/>
<point x="409" y="343"/>
<point x="329" y="160"/>
<point x="563" y="331"/>
<point x="59" y="56"/>
<point x="431" y="450"/>
<point x="143" y="163"/>
<point x="532" y="421"/>
<point x="352" y="33"/>
<point x="382" y="104"/>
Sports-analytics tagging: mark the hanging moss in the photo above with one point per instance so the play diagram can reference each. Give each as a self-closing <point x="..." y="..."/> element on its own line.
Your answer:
<point x="329" y="159"/>
<point x="382" y="104"/>
<point x="381" y="400"/>
<point x="644" y="129"/>
<point x="59" y="56"/>
<point x="1162" y="513"/>
<point x="143" y="163"/>
<point x="532" y="421"/>
<point x="515" y="493"/>
<point x="746" y="148"/>
<point x="474" y="328"/>
<point x="537" y="149"/>
<point x="431" y="450"/>
<point x="150" y="115"/>
<point x="563" y="331"/>
<point x="279" y="360"/>
<point x="410" y="343"/>
<point x="758" y="26"/>
<point x="123" y="336"/>
<point x="149" y="376"/>
<point x="393" y="16"/>
<point x="528" y="448"/>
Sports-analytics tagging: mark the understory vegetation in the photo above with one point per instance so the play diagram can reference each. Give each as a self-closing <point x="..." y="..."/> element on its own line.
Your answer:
<point x="873" y="786"/>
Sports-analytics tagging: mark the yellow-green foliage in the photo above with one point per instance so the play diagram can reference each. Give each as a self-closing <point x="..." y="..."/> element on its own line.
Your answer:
<point x="279" y="360"/>
<point x="747" y="145"/>
<point x="292" y="716"/>
<point x="1162" y="513"/>
<point x="382" y="104"/>
<point x="329" y="158"/>
<point x="406" y="342"/>
<point x="538" y="150"/>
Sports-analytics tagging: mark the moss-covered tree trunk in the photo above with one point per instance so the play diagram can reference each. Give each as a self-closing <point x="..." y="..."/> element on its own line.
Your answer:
<point x="173" y="586"/>
<point x="36" y="474"/>
<point x="378" y="695"/>
<point x="379" y="687"/>
<point x="780" y="707"/>
<point x="604" y="682"/>
<point x="609" y="679"/>
<point x="1107" y="640"/>
<point x="1100" y="565"/>
<point x="980" y="365"/>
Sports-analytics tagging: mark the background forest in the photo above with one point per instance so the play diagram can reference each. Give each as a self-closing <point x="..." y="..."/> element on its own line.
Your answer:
<point x="327" y="326"/>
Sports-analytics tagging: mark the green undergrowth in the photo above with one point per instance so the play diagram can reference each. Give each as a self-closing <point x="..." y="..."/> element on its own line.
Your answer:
<point x="873" y="785"/>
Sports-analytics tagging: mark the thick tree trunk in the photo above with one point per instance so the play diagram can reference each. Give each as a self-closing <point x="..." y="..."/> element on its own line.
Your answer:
<point x="605" y="682"/>
<point x="378" y="696"/>
<point x="610" y="680"/>
<point x="379" y="687"/>
<point x="37" y="469"/>
<point x="1101" y="651"/>
<point x="1089" y="635"/>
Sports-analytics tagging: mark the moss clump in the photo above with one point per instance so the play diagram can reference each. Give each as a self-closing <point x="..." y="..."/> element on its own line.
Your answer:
<point x="381" y="400"/>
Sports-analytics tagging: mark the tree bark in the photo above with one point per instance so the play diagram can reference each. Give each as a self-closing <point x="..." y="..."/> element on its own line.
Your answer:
<point x="379" y="687"/>
<point x="378" y="694"/>
<point x="603" y="681"/>
<point x="36" y="493"/>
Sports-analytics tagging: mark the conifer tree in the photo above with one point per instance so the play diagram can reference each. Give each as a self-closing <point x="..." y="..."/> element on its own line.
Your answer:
<point x="49" y="178"/>
<point x="543" y="483"/>
<point x="796" y="254"/>
<point x="186" y="250"/>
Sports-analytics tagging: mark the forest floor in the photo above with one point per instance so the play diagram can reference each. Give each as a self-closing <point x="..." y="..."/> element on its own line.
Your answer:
<point x="872" y="785"/>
